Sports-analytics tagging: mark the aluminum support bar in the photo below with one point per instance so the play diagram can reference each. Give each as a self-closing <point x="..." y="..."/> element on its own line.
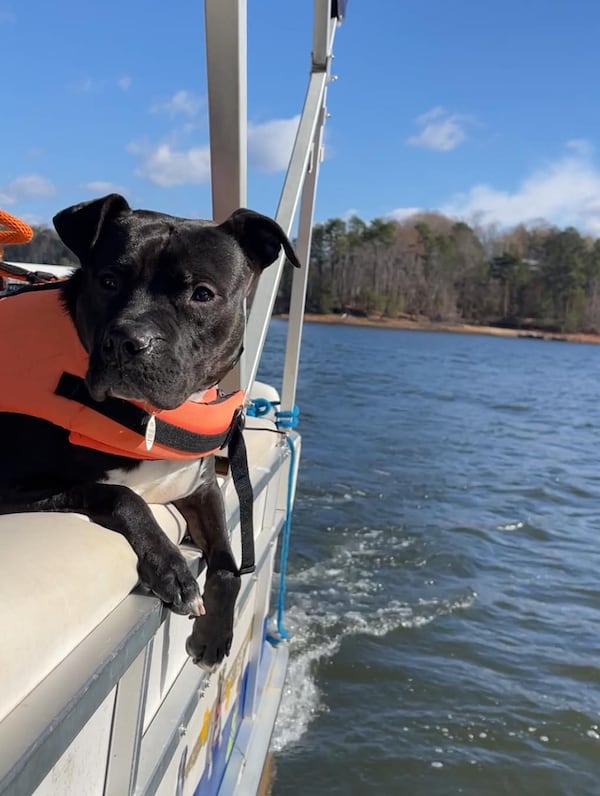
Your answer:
<point x="322" y="48"/>
<point x="226" y="60"/>
<point x="312" y="117"/>
<point x="300" y="276"/>
<point x="322" y="23"/>
<point x="266" y="292"/>
<point x="227" y="102"/>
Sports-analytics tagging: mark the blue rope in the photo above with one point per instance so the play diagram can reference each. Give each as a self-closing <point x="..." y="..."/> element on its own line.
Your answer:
<point x="259" y="407"/>
<point x="283" y="420"/>
<point x="282" y="633"/>
<point x="287" y="419"/>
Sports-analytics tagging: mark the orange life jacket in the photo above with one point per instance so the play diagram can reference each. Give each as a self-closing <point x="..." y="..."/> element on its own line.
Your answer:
<point x="42" y="366"/>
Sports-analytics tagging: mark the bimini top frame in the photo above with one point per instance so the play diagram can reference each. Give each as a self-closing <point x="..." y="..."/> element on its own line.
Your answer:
<point x="226" y="57"/>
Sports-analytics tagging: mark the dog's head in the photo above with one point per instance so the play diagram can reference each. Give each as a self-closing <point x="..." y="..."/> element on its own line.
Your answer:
<point x="159" y="301"/>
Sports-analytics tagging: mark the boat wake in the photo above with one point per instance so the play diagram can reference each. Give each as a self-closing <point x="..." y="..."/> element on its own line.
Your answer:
<point x="341" y="597"/>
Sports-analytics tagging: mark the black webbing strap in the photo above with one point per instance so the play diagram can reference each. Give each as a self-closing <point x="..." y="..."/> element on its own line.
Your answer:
<point x="24" y="275"/>
<point x="136" y="419"/>
<point x="238" y="461"/>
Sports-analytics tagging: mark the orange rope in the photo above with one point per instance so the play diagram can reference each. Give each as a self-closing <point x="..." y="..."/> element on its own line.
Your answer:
<point x="18" y="231"/>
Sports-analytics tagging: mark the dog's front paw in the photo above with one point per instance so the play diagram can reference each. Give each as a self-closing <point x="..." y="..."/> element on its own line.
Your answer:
<point x="212" y="633"/>
<point x="168" y="576"/>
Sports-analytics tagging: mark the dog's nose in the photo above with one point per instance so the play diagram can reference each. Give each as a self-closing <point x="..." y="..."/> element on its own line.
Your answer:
<point x="126" y="342"/>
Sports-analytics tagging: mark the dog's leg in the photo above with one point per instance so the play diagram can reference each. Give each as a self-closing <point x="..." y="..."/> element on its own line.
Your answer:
<point x="161" y="566"/>
<point x="204" y="512"/>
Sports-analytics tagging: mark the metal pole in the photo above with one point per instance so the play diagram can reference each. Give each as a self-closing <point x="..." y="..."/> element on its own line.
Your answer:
<point x="266" y="292"/>
<point x="323" y="35"/>
<point x="226" y="57"/>
<point x="227" y="103"/>
<point x="300" y="277"/>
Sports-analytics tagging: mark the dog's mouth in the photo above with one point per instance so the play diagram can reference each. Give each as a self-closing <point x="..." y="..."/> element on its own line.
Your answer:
<point x="102" y="393"/>
<point x="155" y="395"/>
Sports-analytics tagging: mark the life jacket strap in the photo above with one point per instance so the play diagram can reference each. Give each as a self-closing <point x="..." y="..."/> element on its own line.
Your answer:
<point x="10" y="271"/>
<point x="238" y="462"/>
<point x="136" y="419"/>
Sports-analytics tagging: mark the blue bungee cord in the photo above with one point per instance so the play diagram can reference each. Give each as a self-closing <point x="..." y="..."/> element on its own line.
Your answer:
<point x="260" y="407"/>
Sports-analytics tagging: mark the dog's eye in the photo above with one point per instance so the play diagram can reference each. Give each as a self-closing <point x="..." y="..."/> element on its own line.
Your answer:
<point x="203" y="293"/>
<point x="108" y="282"/>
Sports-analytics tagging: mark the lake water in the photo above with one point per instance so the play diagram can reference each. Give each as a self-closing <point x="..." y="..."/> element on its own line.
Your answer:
<point x="444" y="589"/>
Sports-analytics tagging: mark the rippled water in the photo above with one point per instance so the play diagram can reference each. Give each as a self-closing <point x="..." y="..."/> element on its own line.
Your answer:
<point x="444" y="589"/>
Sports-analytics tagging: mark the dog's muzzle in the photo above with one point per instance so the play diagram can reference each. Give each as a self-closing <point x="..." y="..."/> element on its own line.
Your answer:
<point x="123" y="343"/>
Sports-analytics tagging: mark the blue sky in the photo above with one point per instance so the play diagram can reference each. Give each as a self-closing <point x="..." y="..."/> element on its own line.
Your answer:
<point x="486" y="111"/>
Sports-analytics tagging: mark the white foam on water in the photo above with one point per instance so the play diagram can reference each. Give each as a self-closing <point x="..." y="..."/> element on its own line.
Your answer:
<point x="300" y="701"/>
<point x="334" y="599"/>
<point x="511" y="526"/>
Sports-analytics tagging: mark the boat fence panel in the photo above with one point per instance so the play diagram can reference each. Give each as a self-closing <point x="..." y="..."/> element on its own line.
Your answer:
<point x="126" y="735"/>
<point x="83" y="764"/>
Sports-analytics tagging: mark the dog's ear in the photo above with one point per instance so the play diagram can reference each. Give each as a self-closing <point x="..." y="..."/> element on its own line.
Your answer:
<point x="259" y="237"/>
<point x="79" y="226"/>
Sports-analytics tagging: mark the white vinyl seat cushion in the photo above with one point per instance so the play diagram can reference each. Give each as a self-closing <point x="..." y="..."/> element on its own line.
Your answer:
<point x="60" y="576"/>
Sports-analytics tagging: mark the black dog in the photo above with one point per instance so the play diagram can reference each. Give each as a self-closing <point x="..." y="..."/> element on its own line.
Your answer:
<point x="158" y="305"/>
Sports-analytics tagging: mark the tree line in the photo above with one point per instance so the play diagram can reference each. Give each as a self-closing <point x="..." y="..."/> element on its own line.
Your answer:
<point x="432" y="267"/>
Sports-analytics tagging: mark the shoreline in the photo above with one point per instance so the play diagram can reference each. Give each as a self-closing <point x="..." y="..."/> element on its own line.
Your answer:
<point x="408" y="324"/>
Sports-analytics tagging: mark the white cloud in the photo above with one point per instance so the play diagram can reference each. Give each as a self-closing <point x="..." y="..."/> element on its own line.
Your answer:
<point x="270" y="144"/>
<point x="103" y="186"/>
<point x="440" y="130"/>
<point x="165" y="166"/>
<point x="124" y="83"/>
<point x="269" y="148"/>
<point x="566" y="191"/>
<point x="27" y="186"/>
<point x="402" y="213"/>
<point x="183" y="102"/>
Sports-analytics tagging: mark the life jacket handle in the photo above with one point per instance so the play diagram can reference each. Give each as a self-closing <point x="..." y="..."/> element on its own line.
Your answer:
<point x="18" y="231"/>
